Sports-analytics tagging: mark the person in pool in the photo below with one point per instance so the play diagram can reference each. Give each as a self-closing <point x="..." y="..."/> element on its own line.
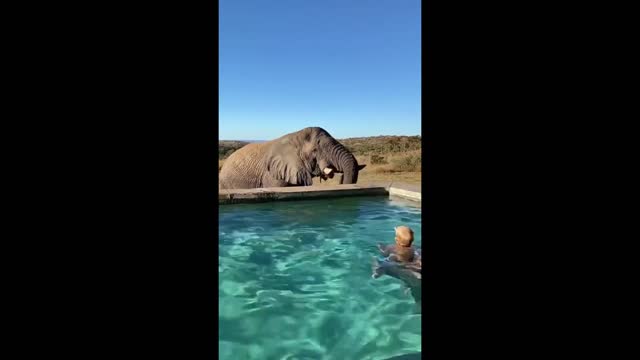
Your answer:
<point x="401" y="251"/>
<point x="402" y="262"/>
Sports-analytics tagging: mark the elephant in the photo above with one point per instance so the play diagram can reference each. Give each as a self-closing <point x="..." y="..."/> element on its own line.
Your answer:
<point x="291" y="160"/>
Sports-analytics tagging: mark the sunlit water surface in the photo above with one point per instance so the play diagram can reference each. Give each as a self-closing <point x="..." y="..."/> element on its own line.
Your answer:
<point x="295" y="281"/>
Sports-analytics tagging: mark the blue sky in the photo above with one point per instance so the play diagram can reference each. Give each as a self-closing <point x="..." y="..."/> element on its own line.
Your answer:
<point x="352" y="67"/>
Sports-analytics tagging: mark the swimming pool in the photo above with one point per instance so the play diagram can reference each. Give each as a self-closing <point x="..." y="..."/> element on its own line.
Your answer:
<point x="295" y="281"/>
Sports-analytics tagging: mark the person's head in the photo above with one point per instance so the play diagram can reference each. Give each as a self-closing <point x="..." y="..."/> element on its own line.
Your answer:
<point x="404" y="236"/>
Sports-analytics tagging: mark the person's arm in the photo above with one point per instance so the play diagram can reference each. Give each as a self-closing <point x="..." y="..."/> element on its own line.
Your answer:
<point x="384" y="249"/>
<point x="416" y="266"/>
<point x="394" y="257"/>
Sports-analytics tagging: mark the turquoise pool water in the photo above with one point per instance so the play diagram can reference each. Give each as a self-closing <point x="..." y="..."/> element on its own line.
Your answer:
<point x="295" y="281"/>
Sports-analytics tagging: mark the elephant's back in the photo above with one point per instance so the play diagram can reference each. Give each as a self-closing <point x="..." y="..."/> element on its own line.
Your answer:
<point x="242" y="169"/>
<point x="246" y="155"/>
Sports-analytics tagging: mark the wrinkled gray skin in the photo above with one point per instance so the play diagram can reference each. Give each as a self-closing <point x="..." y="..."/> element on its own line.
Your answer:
<point x="410" y="274"/>
<point x="291" y="160"/>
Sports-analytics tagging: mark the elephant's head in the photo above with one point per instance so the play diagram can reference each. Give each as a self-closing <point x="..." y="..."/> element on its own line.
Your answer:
<point x="321" y="155"/>
<point x="332" y="157"/>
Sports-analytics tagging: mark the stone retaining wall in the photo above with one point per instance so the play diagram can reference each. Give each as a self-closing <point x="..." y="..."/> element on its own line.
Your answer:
<point x="236" y="196"/>
<point x="411" y="192"/>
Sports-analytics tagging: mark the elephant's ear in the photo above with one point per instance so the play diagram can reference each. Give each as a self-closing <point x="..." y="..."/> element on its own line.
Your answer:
<point x="286" y="165"/>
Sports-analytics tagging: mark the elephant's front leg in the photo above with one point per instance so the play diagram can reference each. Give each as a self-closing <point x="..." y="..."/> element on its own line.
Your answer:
<point x="269" y="181"/>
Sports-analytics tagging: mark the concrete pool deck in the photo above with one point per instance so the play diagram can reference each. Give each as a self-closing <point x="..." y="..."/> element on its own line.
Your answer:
<point x="237" y="196"/>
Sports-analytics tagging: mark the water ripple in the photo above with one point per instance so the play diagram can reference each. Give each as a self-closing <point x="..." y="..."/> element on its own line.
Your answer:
<point x="295" y="281"/>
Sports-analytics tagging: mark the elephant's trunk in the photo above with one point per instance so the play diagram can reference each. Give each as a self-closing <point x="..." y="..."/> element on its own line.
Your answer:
<point x="350" y="173"/>
<point x="345" y="163"/>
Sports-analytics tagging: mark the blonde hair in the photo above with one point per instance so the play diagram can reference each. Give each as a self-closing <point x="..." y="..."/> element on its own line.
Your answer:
<point x="404" y="236"/>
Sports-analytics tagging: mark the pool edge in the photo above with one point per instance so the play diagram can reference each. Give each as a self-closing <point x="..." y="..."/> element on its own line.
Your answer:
<point x="238" y="196"/>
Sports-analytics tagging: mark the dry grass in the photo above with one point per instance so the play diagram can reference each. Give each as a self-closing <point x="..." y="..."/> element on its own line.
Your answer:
<point x="395" y="169"/>
<point x="388" y="158"/>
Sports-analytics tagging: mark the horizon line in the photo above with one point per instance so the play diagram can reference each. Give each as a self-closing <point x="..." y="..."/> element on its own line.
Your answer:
<point x="351" y="137"/>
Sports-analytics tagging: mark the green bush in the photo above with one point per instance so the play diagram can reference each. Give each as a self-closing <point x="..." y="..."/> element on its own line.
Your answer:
<point x="381" y="145"/>
<point x="226" y="148"/>
<point x="408" y="163"/>
<point x="377" y="159"/>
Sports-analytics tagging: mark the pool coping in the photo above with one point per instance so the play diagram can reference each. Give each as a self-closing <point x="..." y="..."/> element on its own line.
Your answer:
<point x="237" y="196"/>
